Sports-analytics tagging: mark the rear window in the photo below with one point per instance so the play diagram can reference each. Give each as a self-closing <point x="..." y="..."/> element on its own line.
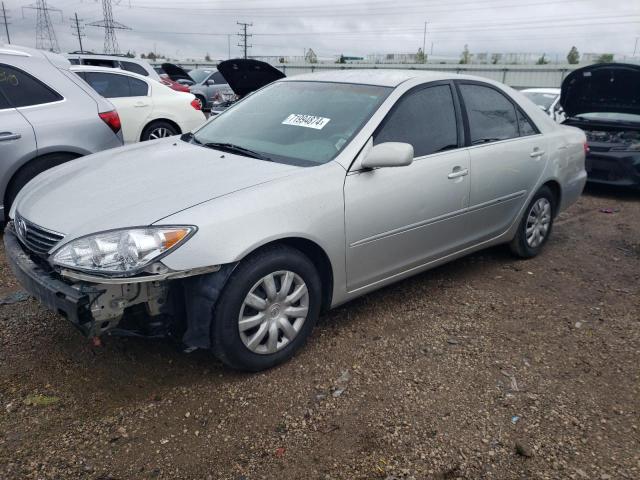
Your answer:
<point x="97" y="62"/>
<point x="23" y="90"/>
<point x="492" y="117"/>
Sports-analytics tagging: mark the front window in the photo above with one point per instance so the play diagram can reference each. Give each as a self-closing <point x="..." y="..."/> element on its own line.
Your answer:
<point x="200" y="74"/>
<point x="300" y="123"/>
<point x="543" y="100"/>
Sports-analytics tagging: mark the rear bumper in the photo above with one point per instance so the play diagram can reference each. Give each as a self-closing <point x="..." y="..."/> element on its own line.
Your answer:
<point x="54" y="294"/>
<point x="620" y="169"/>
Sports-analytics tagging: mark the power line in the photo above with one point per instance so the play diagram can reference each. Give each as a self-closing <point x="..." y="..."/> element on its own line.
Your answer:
<point x="77" y="29"/>
<point x="5" y="20"/>
<point x="110" y="26"/>
<point x="244" y="36"/>
<point x="45" y="34"/>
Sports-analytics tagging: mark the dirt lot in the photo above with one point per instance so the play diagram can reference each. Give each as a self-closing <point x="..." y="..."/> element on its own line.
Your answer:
<point x="485" y="368"/>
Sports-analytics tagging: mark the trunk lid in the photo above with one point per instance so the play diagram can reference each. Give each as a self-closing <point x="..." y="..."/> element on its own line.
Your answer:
<point x="246" y="75"/>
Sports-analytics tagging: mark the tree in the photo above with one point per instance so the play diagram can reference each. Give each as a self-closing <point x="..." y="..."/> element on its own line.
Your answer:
<point x="573" y="57"/>
<point x="142" y="55"/>
<point x="151" y="56"/>
<point x="542" y="60"/>
<point x="465" y="56"/>
<point x="605" y="58"/>
<point x="341" y="59"/>
<point x="421" y="57"/>
<point x="207" y="57"/>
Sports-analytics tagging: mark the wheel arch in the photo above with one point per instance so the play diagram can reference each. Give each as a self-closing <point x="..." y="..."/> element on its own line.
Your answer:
<point x="318" y="257"/>
<point x="556" y="190"/>
<point x="156" y="120"/>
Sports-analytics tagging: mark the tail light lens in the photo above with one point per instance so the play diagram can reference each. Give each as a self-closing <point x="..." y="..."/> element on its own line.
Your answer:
<point x="586" y="148"/>
<point x="195" y="103"/>
<point x="112" y="119"/>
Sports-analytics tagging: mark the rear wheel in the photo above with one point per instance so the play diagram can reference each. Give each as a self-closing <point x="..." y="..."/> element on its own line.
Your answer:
<point x="267" y="310"/>
<point x="156" y="130"/>
<point x="535" y="226"/>
<point x="30" y="171"/>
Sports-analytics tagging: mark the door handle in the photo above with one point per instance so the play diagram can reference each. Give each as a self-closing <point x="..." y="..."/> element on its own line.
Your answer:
<point x="5" y="136"/>
<point x="141" y="104"/>
<point x="536" y="153"/>
<point x="458" y="172"/>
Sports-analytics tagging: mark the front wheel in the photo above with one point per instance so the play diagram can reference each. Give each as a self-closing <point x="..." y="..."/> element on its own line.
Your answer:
<point x="535" y="227"/>
<point x="267" y="309"/>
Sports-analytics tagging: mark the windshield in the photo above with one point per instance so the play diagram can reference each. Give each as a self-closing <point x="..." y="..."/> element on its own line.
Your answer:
<point x="200" y="74"/>
<point x="611" y="116"/>
<point x="544" y="100"/>
<point x="300" y="123"/>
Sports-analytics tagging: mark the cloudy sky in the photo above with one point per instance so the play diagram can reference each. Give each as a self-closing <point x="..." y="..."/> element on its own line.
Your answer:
<point x="191" y="28"/>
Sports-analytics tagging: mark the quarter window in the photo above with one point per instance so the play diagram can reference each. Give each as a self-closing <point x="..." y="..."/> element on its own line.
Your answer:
<point x="526" y="127"/>
<point x="424" y="118"/>
<point x="135" y="68"/>
<point x="115" y="86"/>
<point x="492" y="116"/>
<point x="23" y="90"/>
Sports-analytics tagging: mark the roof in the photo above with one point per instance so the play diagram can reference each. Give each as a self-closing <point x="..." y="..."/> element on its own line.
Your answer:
<point x="552" y="91"/>
<point x="92" y="68"/>
<point x="381" y="77"/>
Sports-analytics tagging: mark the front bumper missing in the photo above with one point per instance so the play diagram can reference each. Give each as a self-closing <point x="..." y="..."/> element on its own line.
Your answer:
<point x="65" y="299"/>
<point x="613" y="168"/>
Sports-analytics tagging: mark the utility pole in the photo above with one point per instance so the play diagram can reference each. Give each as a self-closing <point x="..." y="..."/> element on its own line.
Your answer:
<point x="228" y="46"/>
<point x="635" y="49"/>
<point x="45" y="34"/>
<point x="424" y="44"/>
<point x="110" y="26"/>
<point x="76" y="30"/>
<point x="244" y="36"/>
<point x="6" y="22"/>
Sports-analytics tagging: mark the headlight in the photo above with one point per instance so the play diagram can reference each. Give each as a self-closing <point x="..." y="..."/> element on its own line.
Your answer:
<point x="120" y="252"/>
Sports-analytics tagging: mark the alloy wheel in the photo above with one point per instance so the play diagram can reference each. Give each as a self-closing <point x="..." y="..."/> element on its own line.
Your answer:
<point x="538" y="222"/>
<point x="159" y="132"/>
<point x="273" y="312"/>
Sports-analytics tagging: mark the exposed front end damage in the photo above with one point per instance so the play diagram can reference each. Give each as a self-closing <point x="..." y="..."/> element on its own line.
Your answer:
<point x="176" y="304"/>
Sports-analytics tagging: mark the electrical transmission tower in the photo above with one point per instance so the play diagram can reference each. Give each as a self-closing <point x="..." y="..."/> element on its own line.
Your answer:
<point x="110" y="26"/>
<point x="45" y="34"/>
<point x="244" y="37"/>
<point x="77" y="29"/>
<point x="5" y="20"/>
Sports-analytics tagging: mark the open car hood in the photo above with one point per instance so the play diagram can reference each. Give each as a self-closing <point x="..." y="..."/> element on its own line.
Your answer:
<point x="607" y="87"/>
<point x="175" y="72"/>
<point x="245" y="75"/>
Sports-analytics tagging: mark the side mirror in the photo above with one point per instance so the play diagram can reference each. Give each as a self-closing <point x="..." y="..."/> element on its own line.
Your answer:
<point x="389" y="154"/>
<point x="208" y="83"/>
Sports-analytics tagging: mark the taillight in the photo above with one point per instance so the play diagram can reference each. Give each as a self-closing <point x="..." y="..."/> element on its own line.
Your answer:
<point x="112" y="119"/>
<point x="195" y="103"/>
<point x="586" y="148"/>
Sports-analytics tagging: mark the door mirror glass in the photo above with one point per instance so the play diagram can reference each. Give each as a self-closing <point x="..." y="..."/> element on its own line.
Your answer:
<point x="389" y="154"/>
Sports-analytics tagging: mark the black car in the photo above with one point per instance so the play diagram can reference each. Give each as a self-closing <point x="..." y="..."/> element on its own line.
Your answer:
<point x="603" y="100"/>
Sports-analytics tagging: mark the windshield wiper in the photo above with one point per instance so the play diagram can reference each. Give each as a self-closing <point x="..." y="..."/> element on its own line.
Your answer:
<point x="231" y="148"/>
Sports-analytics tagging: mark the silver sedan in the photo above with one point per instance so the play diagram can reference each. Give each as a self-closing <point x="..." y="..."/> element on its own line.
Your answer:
<point x="308" y="193"/>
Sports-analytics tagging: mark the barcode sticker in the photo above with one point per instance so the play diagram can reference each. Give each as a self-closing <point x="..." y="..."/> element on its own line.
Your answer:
<point x="308" y="121"/>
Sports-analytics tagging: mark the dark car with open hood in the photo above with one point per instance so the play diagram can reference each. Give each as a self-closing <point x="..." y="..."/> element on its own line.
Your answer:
<point x="603" y="100"/>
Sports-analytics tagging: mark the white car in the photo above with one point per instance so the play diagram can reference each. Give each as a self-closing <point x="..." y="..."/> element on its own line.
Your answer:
<point x="148" y="109"/>
<point x="548" y="99"/>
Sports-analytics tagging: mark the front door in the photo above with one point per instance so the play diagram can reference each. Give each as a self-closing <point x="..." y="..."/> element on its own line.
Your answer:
<point x="400" y="218"/>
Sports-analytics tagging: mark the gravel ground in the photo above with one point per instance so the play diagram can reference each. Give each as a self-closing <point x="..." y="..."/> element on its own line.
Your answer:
<point x="488" y="367"/>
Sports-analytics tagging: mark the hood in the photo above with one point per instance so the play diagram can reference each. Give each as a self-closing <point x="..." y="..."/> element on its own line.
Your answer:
<point x="137" y="185"/>
<point x="607" y="87"/>
<point x="175" y="72"/>
<point x="245" y="75"/>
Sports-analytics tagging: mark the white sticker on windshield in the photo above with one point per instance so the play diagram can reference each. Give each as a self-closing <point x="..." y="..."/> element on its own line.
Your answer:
<point x="309" y="121"/>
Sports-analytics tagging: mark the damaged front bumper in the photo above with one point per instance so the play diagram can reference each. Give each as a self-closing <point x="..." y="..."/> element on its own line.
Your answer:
<point x="617" y="168"/>
<point x="98" y="305"/>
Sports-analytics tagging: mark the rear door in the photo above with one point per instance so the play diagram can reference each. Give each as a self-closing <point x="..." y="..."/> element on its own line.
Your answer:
<point x="400" y="218"/>
<point x="129" y="95"/>
<point x="508" y="156"/>
<point x="17" y="138"/>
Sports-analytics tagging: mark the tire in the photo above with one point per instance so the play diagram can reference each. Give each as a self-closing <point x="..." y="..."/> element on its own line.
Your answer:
<point x="158" y="129"/>
<point x="231" y="345"/>
<point x="538" y="216"/>
<point x="29" y="171"/>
